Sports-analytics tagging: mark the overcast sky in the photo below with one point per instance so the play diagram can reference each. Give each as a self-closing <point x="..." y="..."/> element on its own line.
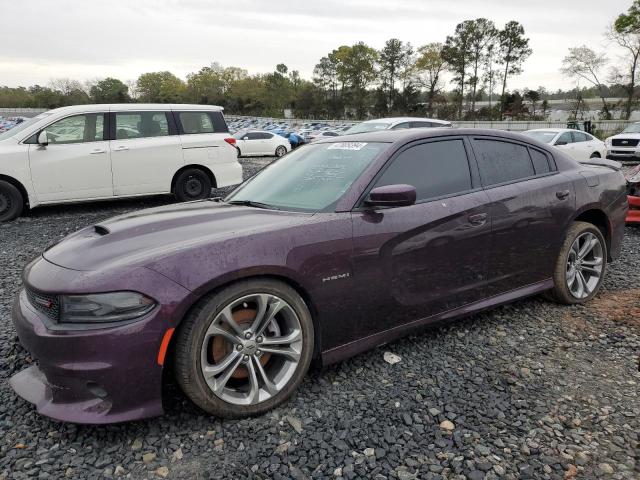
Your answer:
<point x="85" y="39"/>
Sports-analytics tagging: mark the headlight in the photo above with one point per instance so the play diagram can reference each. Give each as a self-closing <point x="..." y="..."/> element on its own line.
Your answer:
<point x="607" y="142"/>
<point x="104" y="307"/>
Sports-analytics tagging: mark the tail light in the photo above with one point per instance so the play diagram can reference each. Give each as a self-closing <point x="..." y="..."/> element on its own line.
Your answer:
<point x="231" y="141"/>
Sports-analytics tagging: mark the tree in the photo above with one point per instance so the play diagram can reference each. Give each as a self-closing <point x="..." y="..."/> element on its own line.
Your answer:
<point x="513" y="50"/>
<point x="429" y="67"/>
<point x="456" y="53"/>
<point x="357" y="70"/>
<point x="109" y="90"/>
<point x="207" y="85"/>
<point x="534" y="97"/>
<point x="625" y="31"/>
<point x="394" y="59"/>
<point x="482" y="36"/>
<point x="160" y="87"/>
<point x="583" y="63"/>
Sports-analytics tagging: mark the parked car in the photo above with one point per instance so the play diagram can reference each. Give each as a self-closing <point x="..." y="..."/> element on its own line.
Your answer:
<point x="578" y="145"/>
<point x="625" y="145"/>
<point x="255" y="143"/>
<point x="320" y="135"/>
<point x="338" y="247"/>
<point x="90" y="152"/>
<point x="396" y="123"/>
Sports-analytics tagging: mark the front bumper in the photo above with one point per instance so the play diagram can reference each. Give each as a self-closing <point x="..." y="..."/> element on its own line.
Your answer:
<point x="633" y="216"/>
<point x="623" y="154"/>
<point x="95" y="376"/>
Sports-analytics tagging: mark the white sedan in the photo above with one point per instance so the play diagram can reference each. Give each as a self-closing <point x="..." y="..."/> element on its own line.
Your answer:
<point x="581" y="146"/>
<point x="255" y="143"/>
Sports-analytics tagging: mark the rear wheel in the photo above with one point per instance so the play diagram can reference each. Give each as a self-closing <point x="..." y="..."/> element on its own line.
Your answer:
<point x="581" y="265"/>
<point x="11" y="202"/>
<point x="245" y="349"/>
<point x="280" y="151"/>
<point x="192" y="184"/>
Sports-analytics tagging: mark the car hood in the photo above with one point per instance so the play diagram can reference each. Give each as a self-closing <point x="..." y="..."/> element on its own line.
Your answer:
<point x="627" y="135"/>
<point x="137" y="238"/>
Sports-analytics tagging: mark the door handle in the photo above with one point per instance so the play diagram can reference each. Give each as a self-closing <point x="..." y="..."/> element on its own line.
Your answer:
<point x="563" y="194"/>
<point x="478" y="219"/>
<point x="120" y="149"/>
<point x="97" y="150"/>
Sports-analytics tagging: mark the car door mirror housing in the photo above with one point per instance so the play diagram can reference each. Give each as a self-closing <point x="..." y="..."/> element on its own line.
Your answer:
<point x="558" y="144"/>
<point x="43" y="139"/>
<point x="400" y="195"/>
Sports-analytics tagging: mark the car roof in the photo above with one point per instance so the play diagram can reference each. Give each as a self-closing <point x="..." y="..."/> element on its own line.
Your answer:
<point x="394" y="120"/>
<point x="555" y="130"/>
<point x="111" y="107"/>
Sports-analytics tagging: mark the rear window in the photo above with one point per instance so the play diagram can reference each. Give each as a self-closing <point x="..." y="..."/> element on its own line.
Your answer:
<point x="502" y="162"/>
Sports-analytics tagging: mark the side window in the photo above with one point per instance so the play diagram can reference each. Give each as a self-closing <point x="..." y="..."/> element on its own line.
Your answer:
<point x="77" y="129"/>
<point x="196" y="122"/>
<point x="564" y="139"/>
<point x="501" y="162"/>
<point x="435" y="169"/>
<point x="141" y="125"/>
<point x="401" y="126"/>
<point x="266" y="136"/>
<point x="421" y="124"/>
<point x="540" y="161"/>
<point x="252" y="136"/>
<point x="579" y="137"/>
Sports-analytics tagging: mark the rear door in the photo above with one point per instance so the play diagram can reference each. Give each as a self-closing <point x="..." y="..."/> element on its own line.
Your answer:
<point x="202" y="135"/>
<point x="416" y="261"/>
<point x="565" y="143"/>
<point x="145" y="152"/>
<point x="249" y="144"/>
<point x="76" y="163"/>
<point x="531" y="205"/>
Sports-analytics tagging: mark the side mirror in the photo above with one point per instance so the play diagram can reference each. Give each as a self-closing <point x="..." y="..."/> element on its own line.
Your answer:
<point x="245" y="138"/>
<point x="558" y="144"/>
<point x="392" y="196"/>
<point x="43" y="139"/>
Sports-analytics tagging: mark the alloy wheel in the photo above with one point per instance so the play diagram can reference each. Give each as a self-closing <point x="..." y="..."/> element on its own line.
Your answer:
<point x="280" y="151"/>
<point x="251" y="349"/>
<point x="584" y="265"/>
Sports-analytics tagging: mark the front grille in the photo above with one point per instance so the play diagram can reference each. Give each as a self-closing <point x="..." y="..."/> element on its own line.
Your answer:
<point x="44" y="303"/>
<point x="624" y="142"/>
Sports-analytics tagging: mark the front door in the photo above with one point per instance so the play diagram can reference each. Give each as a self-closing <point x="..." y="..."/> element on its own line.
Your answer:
<point x="76" y="163"/>
<point x="413" y="262"/>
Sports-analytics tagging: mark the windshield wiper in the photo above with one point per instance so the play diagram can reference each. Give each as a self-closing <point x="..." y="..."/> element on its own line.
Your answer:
<point x="251" y="203"/>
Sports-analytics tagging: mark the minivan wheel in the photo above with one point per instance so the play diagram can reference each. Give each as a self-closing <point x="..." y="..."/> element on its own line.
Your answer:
<point x="280" y="151"/>
<point x="192" y="184"/>
<point x="11" y="202"/>
<point x="581" y="265"/>
<point x="245" y="349"/>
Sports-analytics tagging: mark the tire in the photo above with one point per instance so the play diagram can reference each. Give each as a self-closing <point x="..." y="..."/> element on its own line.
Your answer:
<point x="192" y="184"/>
<point x="280" y="151"/>
<point x="595" y="155"/>
<point x="11" y="202"/>
<point x="196" y="349"/>
<point x="583" y="270"/>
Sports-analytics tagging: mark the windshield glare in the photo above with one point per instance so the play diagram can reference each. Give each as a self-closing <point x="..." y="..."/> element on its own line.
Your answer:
<point x="368" y="127"/>
<point x="311" y="178"/>
<point x="21" y="126"/>
<point x="633" y="128"/>
<point x="541" y="136"/>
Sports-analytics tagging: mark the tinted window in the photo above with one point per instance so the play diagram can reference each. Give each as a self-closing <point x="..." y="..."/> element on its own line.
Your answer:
<point x="540" y="161"/>
<point x="421" y="124"/>
<point x="77" y="129"/>
<point x="502" y="161"/>
<point x="400" y="126"/>
<point x="265" y="136"/>
<point x="251" y="136"/>
<point x="330" y="134"/>
<point x="196" y="122"/>
<point x="141" y="125"/>
<point x="435" y="169"/>
<point x="580" y="137"/>
<point x="564" y="139"/>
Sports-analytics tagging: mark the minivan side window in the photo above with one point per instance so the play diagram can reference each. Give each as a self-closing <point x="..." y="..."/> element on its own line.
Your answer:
<point x="502" y="162"/>
<point x="435" y="169"/>
<point x="201" y="122"/>
<point x="141" y="125"/>
<point x="77" y="129"/>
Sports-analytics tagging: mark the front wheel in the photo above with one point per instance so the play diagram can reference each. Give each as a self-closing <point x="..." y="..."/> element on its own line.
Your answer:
<point x="595" y="155"/>
<point x="581" y="265"/>
<point x="11" y="202"/>
<point x="245" y="349"/>
<point x="192" y="184"/>
<point x="280" y="151"/>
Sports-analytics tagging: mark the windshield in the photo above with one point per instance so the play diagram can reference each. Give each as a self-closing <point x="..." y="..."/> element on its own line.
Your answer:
<point x="21" y="126"/>
<point x="367" y="127"/>
<point x="309" y="179"/>
<point x="633" y="128"/>
<point x="541" y="135"/>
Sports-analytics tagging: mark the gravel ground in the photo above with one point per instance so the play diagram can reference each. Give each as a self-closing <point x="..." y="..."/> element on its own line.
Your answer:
<point x="530" y="390"/>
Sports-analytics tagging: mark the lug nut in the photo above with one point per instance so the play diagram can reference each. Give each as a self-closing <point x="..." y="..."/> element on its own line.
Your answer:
<point x="247" y="335"/>
<point x="259" y="339"/>
<point x="239" y="347"/>
<point x="258" y="352"/>
<point x="245" y="358"/>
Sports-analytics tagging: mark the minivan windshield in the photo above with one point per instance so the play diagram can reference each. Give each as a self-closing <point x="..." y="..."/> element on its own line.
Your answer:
<point x="21" y="126"/>
<point x="309" y="179"/>
<point x="633" y="128"/>
<point x="367" y="127"/>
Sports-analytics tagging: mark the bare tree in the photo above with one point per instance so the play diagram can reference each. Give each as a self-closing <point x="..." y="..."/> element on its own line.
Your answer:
<point x="584" y="63"/>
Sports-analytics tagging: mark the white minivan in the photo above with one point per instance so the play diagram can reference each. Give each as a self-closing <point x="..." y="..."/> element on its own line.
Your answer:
<point x="92" y="152"/>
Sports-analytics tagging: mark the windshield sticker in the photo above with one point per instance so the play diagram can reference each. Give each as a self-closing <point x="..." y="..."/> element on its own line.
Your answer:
<point x="347" y="146"/>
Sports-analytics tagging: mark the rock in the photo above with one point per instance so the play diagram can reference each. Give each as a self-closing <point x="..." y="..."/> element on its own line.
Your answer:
<point x="391" y="358"/>
<point x="369" y="452"/>
<point x="283" y="447"/>
<point x="447" y="425"/>
<point x="605" y="469"/>
<point x="147" y="458"/>
<point x="295" y="423"/>
<point x="137" y="444"/>
<point x="434" y="412"/>
<point x="119" y="471"/>
<point x="177" y="455"/>
<point x="337" y="472"/>
<point x="570" y="472"/>
<point x="581" y="458"/>
<point x="499" y="470"/>
<point x="162" y="472"/>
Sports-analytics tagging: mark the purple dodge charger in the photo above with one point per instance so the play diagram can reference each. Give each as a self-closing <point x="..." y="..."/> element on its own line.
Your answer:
<point x="334" y="249"/>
